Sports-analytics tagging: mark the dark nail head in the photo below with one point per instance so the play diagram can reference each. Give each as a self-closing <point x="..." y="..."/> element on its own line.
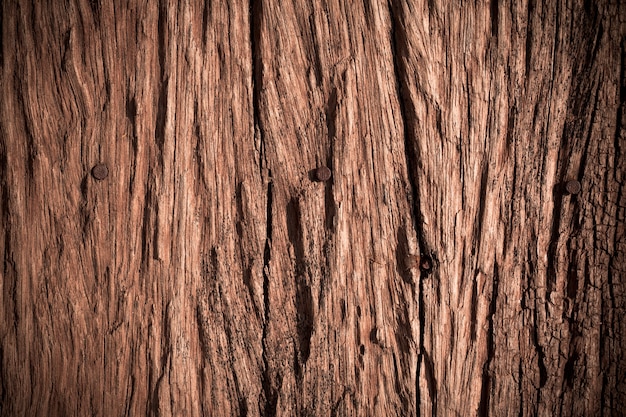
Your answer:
<point x="322" y="174"/>
<point x="100" y="172"/>
<point x="572" y="187"/>
<point x="426" y="264"/>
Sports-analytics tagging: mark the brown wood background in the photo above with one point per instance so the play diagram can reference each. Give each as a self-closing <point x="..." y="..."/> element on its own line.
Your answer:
<point x="209" y="275"/>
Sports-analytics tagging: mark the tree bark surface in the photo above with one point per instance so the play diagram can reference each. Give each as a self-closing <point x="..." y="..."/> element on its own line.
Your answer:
<point x="444" y="269"/>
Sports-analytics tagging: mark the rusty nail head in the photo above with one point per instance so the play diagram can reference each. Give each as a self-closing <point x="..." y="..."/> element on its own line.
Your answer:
<point x="322" y="173"/>
<point x="100" y="171"/>
<point x="572" y="187"/>
<point x="426" y="264"/>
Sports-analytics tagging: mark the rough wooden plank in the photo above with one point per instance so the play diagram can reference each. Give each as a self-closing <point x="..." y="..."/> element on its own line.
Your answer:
<point x="342" y="319"/>
<point x="509" y="101"/>
<point x="210" y="273"/>
<point x="134" y="295"/>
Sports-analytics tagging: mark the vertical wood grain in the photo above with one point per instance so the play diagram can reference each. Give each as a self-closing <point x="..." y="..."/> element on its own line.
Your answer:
<point x="211" y="272"/>
<point x="504" y="103"/>
<point x="342" y="318"/>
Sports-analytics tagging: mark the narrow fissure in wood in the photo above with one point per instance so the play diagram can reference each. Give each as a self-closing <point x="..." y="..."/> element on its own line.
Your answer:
<point x="416" y="216"/>
<point x="163" y="100"/>
<point x="268" y="390"/>
<point x="485" y="394"/>
<point x="267" y="407"/>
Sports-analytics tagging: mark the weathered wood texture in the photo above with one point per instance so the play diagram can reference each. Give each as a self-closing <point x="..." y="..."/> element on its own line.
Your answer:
<point x="210" y="274"/>
<point x="504" y="103"/>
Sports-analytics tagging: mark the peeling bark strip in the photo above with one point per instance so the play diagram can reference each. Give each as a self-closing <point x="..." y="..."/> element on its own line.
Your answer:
<point x="211" y="271"/>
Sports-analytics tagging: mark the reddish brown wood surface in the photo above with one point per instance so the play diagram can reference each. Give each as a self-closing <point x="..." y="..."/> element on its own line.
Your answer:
<point x="210" y="271"/>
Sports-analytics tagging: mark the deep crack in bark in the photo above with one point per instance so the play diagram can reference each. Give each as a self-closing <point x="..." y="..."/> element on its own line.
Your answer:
<point x="411" y="158"/>
<point x="268" y="408"/>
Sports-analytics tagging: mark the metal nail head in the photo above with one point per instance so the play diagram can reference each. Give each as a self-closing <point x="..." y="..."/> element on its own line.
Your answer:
<point x="100" y="172"/>
<point x="572" y="187"/>
<point x="322" y="174"/>
<point x="426" y="263"/>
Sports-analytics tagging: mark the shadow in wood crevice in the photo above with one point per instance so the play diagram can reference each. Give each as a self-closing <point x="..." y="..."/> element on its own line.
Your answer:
<point x="331" y="113"/>
<point x="402" y="254"/>
<point x="131" y="114"/>
<point x="485" y="393"/>
<point x="95" y="11"/>
<point x="330" y="207"/>
<point x="431" y="381"/>
<point x="403" y="330"/>
<point x="304" y="298"/>
<point x="1" y="38"/>
<point x="131" y="111"/>
<point x="557" y="195"/>
<point x="243" y="407"/>
<point x="480" y="218"/>
<point x="572" y="276"/>
<point x="67" y="52"/>
<point x="493" y="11"/>
<point x="541" y="355"/>
<point x="569" y="373"/>
<point x="304" y="307"/>
<point x="203" y="322"/>
<point x="86" y="212"/>
<point x="270" y="393"/>
<point x="483" y="405"/>
<point x="255" y="20"/>
<point x="161" y="121"/>
<point x="198" y="151"/>
<point x="473" y="309"/>
<point x="206" y="12"/>
<point x="408" y="112"/>
<point x="294" y="231"/>
<point x="163" y="100"/>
